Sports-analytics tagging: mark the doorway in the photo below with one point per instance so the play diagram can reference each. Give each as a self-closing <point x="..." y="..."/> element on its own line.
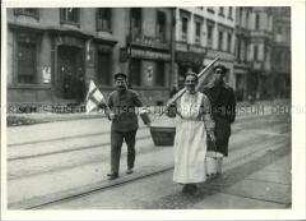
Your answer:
<point x="71" y="76"/>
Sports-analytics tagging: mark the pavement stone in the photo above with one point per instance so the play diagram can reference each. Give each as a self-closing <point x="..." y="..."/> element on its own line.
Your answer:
<point x="227" y="201"/>
<point x="91" y="174"/>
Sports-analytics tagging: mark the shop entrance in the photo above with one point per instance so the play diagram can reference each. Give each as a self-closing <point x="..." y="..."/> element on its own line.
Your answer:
<point x="71" y="77"/>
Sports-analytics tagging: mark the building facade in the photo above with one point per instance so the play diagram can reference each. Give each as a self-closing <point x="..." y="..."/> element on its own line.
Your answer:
<point x="281" y="52"/>
<point x="202" y="33"/>
<point x="54" y="53"/>
<point x="262" y="64"/>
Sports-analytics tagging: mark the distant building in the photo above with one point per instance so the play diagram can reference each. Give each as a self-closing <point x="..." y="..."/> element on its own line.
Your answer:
<point x="202" y="33"/>
<point x="263" y="54"/>
<point x="54" y="52"/>
<point x="281" y="52"/>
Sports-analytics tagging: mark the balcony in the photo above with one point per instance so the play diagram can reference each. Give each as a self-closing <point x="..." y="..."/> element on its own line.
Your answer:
<point x="262" y="33"/>
<point x="145" y="41"/>
<point x="257" y="65"/>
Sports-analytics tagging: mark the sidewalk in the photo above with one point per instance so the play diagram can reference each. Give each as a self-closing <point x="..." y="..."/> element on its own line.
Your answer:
<point x="37" y="118"/>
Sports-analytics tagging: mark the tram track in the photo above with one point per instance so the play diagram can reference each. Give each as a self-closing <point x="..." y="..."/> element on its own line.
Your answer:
<point x="107" y="185"/>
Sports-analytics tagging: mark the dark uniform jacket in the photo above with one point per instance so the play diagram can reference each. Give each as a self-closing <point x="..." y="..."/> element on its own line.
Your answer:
<point x="123" y="105"/>
<point x="223" y="111"/>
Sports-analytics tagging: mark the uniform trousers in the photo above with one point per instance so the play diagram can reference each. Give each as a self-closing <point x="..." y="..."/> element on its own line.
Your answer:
<point x="117" y="138"/>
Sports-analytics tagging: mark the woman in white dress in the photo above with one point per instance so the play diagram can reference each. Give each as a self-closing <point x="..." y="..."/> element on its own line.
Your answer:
<point x="194" y="124"/>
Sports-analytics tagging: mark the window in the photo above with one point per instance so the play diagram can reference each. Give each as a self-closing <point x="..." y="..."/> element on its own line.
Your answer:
<point x="221" y="11"/>
<point x="209" y="35"/>
<point x="33" y="12"/>
<point x="104" y="19"/>
<point x="26" y="59"/>
<point x="245" y="50"/>
<point x="211" y="10"/>
<point x="239" y="43"/>
<point x="279" y="30"/>
<point x="184" y="28"/>
<point x="257" y="20"/>
<point x="220" y="41"/>
<point x="136" y="21"/>
<point x="247" y="18"/>
<point x="230" y="12"/>
<point x="198" y="32"/>
<point x="161" y="25"/>
<point x="229" y="42"/>
<point x="70" y="15"/>
<point x="255" y="52"/>
<point x="135" y="72"/>
<point x="240" y="16"/>
<point x="160" y="74"/>
<point x="104" y="68"/>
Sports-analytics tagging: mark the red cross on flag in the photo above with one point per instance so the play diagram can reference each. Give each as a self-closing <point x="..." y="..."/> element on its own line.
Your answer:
<point x="94" y="98"/>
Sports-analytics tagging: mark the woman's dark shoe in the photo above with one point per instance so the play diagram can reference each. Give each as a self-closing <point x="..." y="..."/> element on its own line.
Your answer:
<point x="112" y="176"/>
<point x="129" y="171"/>
<point x="190" y="189"/>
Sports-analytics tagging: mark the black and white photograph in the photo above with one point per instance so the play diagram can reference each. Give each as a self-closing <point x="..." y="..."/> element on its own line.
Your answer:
<point x="155" y="108"/>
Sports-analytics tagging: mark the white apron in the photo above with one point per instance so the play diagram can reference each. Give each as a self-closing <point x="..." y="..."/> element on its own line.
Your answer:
<point x="190" y="141"/>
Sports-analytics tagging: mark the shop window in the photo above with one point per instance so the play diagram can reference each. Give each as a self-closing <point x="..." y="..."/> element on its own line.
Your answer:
<point x="184" y="28"/>
<point x="136" y="21"/>
<point x="70" y="15"/>
<point x="104" y="68"/>
<point x="32" y="12"/>
<point x="161" y="25"/>
<point x="135" y="72"/>
<point x="198" y="32"/>
<point x="160" y="74"/>
<point x="104" y="19"/>
<point x="229" y="42"/>
<point x="26" y="62"/>
<point x="220" y="41"/>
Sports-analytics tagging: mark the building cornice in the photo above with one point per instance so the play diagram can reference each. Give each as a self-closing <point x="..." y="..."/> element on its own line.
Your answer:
<point x="62" y="30"/>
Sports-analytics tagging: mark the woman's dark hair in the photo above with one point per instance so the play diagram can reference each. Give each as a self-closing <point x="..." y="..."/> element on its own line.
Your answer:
<point x="192" y="74"/>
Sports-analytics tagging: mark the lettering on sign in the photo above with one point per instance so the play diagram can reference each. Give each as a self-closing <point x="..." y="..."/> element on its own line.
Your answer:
<point x="150" y="55"/>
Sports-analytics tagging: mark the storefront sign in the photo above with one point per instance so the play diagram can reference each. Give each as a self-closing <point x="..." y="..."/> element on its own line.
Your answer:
<point x="136" y="53"/>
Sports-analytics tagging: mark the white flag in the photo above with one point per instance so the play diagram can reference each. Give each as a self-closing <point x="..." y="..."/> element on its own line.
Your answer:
<point x="94" y="98"/>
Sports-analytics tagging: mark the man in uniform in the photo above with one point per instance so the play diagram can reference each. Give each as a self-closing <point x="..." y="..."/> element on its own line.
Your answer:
<point x="122" y="103"/>
<point x="223" y="103"/>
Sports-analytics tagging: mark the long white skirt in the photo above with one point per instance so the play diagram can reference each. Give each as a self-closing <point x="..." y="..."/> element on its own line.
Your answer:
<point x="189" y="152"/>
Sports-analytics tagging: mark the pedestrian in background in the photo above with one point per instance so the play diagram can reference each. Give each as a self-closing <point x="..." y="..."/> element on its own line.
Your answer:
<point x="223" y="102"/>
<point x="122" y="104"/>
<point x="194" y="124"/>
